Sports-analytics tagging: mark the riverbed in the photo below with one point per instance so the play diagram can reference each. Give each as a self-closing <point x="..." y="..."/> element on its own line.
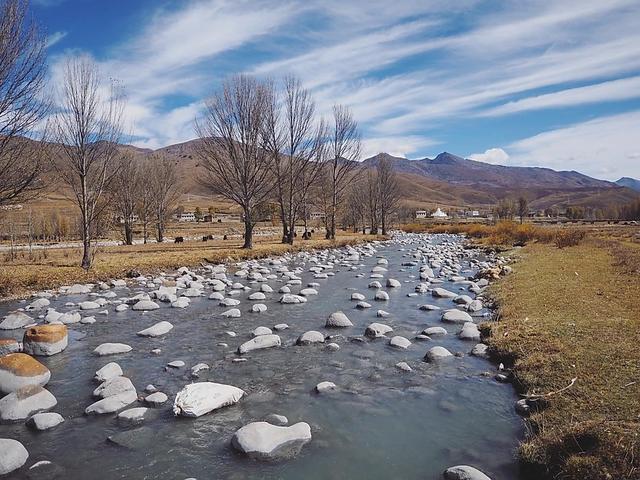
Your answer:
<point x="379" y="423"/>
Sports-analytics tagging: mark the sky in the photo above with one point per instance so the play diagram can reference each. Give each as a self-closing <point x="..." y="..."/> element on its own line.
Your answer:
<point x="536" y="83"/>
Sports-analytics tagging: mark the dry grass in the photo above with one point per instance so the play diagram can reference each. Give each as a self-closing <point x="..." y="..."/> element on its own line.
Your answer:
<point x="574" y="312"/>
<point x="60" y="267"/>
<point x="507" y="233"/>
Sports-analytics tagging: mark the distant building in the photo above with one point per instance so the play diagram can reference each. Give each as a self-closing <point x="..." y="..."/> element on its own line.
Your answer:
<point x="421" y="214"/>
<point x="120" y="219"/>
<point x="472" y="213"/>
<point x="439" y="214"/>
<point x="186" y="217"/>
<point x="316" y="216"/>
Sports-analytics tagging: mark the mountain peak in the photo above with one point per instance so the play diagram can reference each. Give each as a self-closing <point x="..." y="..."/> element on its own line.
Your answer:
<point x="446" y="158"/>
<point x="629" y="182"/>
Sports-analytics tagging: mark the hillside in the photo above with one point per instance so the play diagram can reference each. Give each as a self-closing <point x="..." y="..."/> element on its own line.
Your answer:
<point x="631" y="183"/>
<point x="478" y="184"/>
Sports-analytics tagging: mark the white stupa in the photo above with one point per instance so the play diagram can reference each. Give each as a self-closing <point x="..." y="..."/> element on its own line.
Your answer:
<point x="438" y="214"/>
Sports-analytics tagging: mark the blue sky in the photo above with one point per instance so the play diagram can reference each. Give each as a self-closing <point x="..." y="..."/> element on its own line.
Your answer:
<point x="543" y="83"/>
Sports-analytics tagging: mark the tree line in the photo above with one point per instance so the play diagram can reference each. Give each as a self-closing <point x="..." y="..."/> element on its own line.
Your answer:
<point x="261" y="141"/>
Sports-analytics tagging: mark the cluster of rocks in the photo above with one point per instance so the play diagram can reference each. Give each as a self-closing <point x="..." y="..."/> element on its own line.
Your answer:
<point x="22" y="377"/>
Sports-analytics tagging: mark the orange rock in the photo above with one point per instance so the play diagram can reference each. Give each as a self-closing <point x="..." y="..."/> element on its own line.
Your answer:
<point x="45" y="333"/>
<point x="22" y="365"/>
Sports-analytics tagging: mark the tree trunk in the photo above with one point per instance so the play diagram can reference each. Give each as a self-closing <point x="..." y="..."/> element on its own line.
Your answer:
<point x="128" y="234"/>
<point x="86" y="246"/>
<point x="160" y="236"/>
<point x="248" y="233"/>
<point x="384" y="224"/>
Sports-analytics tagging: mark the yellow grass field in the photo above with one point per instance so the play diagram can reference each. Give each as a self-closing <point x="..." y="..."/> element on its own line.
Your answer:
<point x="574" y="313"/>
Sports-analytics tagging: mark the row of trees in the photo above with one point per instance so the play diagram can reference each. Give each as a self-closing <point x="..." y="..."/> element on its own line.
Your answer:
<point x="507" y="209"/>
<point x="374" y="198"/>
<point x="261" y="141"/>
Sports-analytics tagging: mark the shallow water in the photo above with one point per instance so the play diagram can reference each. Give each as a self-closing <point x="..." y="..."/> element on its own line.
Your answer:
<point x="380" y="424"/>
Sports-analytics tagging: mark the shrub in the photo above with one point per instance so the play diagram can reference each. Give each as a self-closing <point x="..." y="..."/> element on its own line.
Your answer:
<point x="568" y="238"/>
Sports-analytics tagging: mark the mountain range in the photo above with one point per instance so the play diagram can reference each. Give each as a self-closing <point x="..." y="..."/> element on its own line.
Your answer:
<point x="447" y="181"/>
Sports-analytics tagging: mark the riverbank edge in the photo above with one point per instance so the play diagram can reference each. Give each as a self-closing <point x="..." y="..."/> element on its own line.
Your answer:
<point x="602" y="449"/>
<point x="223" y="256"/>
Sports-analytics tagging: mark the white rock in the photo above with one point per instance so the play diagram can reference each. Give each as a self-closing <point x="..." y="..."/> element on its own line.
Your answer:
<point x="89" y="305"/>
<point x="357" y="296"/>
<point x="157" y="330"/>
<point x="289" y="298"/>
<point x="443" y="293"/>
<point x="257" y="296"/>
<point x="24" y="402"/>
<point x="198" y="399"/>
<point x="45" y="420"/>
<point x="258" y="308"/>
<point x="264" y="441"/>
<point x="434" y="331"/>
<point x="325" y="387"/>
<point x="176" y="364"/>
<point x="382" y="296"/>
<point x="393" y="283"/>
<point x="436" y="354"/>
<point x="261" y="331"/>
<point x="156" y="399"/>
<point x="338" y="320"/>
<point x="199" y="367"/>
<point x="13" y="455"/>
<point x="376" y="330"/>
<point x="122" y="307"/>
<point x="399" y="342"/>
<point x="404" y="366"/>
<point x="113" y="403"/>
<point x="464" y="472"/>
<point x="231" y="313"/>
<point x="280" y="326"/>
<point x="260" y="342"/>
<point x="109" y="371"/>
<point x="111" y="349"/>
<point x="145" y="305"/>
<point x="15" y="320"/>
<point x="310" y="337"/>
<point x="480" y="350"/>
<point x="456" y="316"/>
<point x="132" y="416"/>
<point x="469" y="331"/>
<point x="182" y="302"/>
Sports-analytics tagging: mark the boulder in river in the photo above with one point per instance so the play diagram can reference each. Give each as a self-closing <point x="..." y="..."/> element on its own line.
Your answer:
<point x="157" y="330"/>
<point x="15" y="320"/>
<point x="376" y="330"/>
<point x="113" y="403"/>
<point x="198" y="399"/>
<point x="9" y="345"/>
<point x="111" y="349"/>
<point x="399" y="342"/>
<point x="263" y="441"/>
<point x="443" y="293"/>
<point x="259" y="342"/>
<point x="469" y="332"/>
<point x="393" y="283"/>
<point x="434" y="331"/>
<point x="338" y="320"/>
<point x="464" y="472"/>
<point x="437" y="354"/>
<point x="132" y="416"/>
<point x="145" y="305"/>
<point x="19" y="370"/>
<point x="13" y="455"/>
<point x="310" y="337"/>
<point x="114" y="386"/>
<point x="109" y="371"/>
<point x="456" y="316"/>
<point x="323" y="387"/>
<point x="45" y="340"/>
<point x="24" y="402"/>
<point x="45" y="420"/>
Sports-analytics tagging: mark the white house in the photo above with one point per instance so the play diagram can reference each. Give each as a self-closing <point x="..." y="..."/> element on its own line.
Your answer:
<point x="421" y="214"/>
<point x="439" y="214"/>
<point x="186" y="217"/>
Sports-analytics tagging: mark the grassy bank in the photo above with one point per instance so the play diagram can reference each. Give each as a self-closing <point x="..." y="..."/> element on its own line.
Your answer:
<point x="574" y="313"/>
<point x="60" y="266"/>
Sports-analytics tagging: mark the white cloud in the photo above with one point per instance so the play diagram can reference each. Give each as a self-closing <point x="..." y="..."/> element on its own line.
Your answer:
<point x="496" y="156"/>
<point x="622" y="89"/>
<point x="604" y="147"/>
<point x="54" y="38"/>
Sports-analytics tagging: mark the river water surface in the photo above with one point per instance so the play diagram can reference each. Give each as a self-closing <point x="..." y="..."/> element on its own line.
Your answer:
<point x="381" y="423"/>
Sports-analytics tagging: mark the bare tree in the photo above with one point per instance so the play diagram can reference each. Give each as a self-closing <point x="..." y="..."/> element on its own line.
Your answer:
<point x="145" y="205"/>
<point x="232" y="133"/>
<point x="523" y="208"/>
<point x="344" y="151"/>
<point x="388" y="191"/>
<point x="125" y="192"/>
<point x="87" y="129"/>
<point x="295" y="144"/>
<point x="372" y="199"/>
<point x="165" y="190"/>
<point x="22" y="77"/>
